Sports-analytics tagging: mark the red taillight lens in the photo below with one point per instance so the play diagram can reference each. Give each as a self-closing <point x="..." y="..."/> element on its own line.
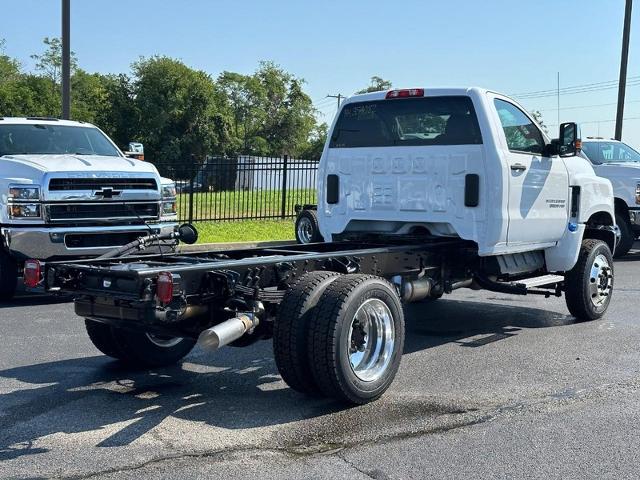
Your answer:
<point x="32" y="272"/>
<point x="406" y="93"/>
<point x="164" y="287"/>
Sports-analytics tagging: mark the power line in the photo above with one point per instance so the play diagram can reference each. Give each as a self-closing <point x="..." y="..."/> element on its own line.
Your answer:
<point x="576" y="107"/>
<point x="554" y="90"/>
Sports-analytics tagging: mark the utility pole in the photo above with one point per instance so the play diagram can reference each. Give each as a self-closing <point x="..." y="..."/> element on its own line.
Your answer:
<point x="339" y="97"/>
<point x="66" y="59"/>
<point x="622" y="85"/>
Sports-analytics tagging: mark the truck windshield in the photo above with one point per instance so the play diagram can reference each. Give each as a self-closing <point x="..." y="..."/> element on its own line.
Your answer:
<point x="39" y="139"/>
<point x="449" y="120"/>
<point x="610" y="152"/>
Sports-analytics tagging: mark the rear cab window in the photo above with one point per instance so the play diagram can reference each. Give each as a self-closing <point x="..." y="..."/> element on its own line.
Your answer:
<point x="444" y="120"/>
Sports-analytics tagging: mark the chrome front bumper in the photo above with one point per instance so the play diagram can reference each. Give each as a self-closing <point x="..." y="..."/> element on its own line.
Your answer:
<point x="45" y="243"/>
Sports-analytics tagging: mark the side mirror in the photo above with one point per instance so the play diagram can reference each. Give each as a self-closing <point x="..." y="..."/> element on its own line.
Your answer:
<point x="187" y="234"/>
<point x="569" y="143"/>
<point x="135" y="150"/>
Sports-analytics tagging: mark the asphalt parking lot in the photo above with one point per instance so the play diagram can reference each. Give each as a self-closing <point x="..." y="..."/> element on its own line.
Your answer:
<point x="491" y="386"/>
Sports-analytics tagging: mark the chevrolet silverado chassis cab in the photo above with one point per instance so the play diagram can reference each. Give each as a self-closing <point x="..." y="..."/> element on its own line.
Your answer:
<point x="66" y="191"/>
<point x="421" y="192"/>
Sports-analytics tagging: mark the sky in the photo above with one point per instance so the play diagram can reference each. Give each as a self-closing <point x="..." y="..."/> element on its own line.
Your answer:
<point x="514" y="47"/>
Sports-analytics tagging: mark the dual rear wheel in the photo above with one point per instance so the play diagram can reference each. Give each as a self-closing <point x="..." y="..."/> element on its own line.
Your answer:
<point x="340" y="336"/>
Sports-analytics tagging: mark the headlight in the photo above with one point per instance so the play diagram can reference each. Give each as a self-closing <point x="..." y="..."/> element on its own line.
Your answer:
<point x="25" y="193"/>
<point x="169" y="208"/>
<point x="638" y="194"/>
<point x="24" y="210"/>
<point x="169" y="190"/>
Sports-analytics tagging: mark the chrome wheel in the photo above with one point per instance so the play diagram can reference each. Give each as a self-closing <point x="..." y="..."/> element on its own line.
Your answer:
<point x="305" y="230"/>
<point x="371" y="340"/>
<point x="162" y="341"/>
<point x="600" y="280"/>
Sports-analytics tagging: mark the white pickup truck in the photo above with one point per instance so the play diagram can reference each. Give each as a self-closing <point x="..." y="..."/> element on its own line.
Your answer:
<point x="421" y="192"/>
<point x="67" y="191"/>
<point x="619" y="163"/>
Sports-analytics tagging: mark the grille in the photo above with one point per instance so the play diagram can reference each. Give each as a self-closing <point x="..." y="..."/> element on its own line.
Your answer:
<point x="62" y="184"/>
<point x="93" y="211"/>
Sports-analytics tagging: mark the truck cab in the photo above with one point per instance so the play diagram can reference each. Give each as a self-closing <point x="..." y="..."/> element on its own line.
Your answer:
<point x="620" y="164"/>
<point x="460" y="162"/>
<point x="67" y="191"/>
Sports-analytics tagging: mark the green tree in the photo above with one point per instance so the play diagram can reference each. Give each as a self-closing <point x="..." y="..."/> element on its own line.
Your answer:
<point x="178" y="112"/>
<point x="377" y="84"/>
<point x="49" y="62"/>
<point x="9" y="67"/>
<point x="315" y="145"/>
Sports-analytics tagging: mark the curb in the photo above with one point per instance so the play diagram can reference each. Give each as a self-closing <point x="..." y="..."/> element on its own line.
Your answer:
<point x="203" y="247"/>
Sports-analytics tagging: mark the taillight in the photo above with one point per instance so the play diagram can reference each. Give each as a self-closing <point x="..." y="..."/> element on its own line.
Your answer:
<point x="406" y="93"/>
<point x="32" y="272"/>
<point x="164" y="287"/>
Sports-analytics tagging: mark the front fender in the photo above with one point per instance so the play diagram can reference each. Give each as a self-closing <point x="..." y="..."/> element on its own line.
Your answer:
<point x="596" y="195"/>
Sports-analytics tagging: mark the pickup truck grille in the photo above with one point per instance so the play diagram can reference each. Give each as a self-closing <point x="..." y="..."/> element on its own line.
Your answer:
<point x="63" y="184"/>
<point x="103" y="211"/>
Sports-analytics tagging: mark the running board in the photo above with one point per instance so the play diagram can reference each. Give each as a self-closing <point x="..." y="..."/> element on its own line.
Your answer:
<point x="525" y="286"/>
<point x="550" y="280"/>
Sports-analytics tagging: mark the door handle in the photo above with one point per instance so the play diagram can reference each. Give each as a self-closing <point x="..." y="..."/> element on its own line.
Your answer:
<point x="518" y="167"/>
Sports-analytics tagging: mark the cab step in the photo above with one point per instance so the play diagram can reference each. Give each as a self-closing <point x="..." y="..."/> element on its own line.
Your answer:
<point x="543" y="280"/>
<point x="524" y="286"/>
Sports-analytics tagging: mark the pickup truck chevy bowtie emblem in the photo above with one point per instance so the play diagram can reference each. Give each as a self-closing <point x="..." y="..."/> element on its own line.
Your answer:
<point x="107" y="192"/>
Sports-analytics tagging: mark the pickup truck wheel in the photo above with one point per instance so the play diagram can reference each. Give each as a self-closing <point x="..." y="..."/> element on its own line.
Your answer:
<point x="290" y="330"/>
<point x="102" y="338"/>
<point x="589" y="284"/>
<point x="8" y="276"/>
<point x="626" y="236"/>
<point x="356" y="336"/>
<point x="307" y="229"/>
<point x="138" y="349"/>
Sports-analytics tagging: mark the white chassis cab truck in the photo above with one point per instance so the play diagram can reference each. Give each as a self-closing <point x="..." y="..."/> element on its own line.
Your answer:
<point x="619" y="163"/>
<point x="67" y="191"/>
<point x="421" y="192"/>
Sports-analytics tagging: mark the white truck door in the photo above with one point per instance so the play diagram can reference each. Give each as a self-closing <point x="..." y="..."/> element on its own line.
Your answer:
<point x="538" y="185"/>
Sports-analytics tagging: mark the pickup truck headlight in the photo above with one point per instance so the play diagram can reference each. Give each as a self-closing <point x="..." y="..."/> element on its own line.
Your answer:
<point x="169" y="190"/>
<point x="24" y="210"/>
<point x="25" y="193"/>
<point x="169" y="208"/>
<point x="638" y="194"/>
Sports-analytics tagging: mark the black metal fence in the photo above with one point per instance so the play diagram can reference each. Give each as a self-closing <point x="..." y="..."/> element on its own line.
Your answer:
<point x="241" y="187"/>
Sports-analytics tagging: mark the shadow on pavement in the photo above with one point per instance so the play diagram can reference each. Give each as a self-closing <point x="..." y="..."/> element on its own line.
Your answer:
<point x="233" y="389"/>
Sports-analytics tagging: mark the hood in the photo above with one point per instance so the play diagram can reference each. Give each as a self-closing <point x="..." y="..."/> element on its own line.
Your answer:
<point x="78" y="163"/>
<point x="627" y="170"/>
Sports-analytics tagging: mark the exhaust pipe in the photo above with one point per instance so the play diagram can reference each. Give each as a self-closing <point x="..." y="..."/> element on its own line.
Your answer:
<point x="227" y="331"/>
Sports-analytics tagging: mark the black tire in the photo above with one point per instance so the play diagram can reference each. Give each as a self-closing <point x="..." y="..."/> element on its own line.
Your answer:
<point x="102" y="338"/>
<point x="307" y="229"/>
<point x="627" y="236"/>
<point x="290" y="330"/>
<point x="591" y="277"/>
<point x="137" y="349"/>
<point x="8" y="276"/>
<point x="330" y="338"/>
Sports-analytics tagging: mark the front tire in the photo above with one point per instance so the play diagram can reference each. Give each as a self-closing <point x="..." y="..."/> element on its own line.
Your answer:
<point x="589" y="284"/>
<point x="138" y="349"/>
<point x="356" y="337"/>
<point x="8" y="276"/>
<point x="626" y="236"/>
<point x="307" y="229"/>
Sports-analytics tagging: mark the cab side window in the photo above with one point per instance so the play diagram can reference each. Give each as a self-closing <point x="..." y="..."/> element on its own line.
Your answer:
<point x="521" y="133"/>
